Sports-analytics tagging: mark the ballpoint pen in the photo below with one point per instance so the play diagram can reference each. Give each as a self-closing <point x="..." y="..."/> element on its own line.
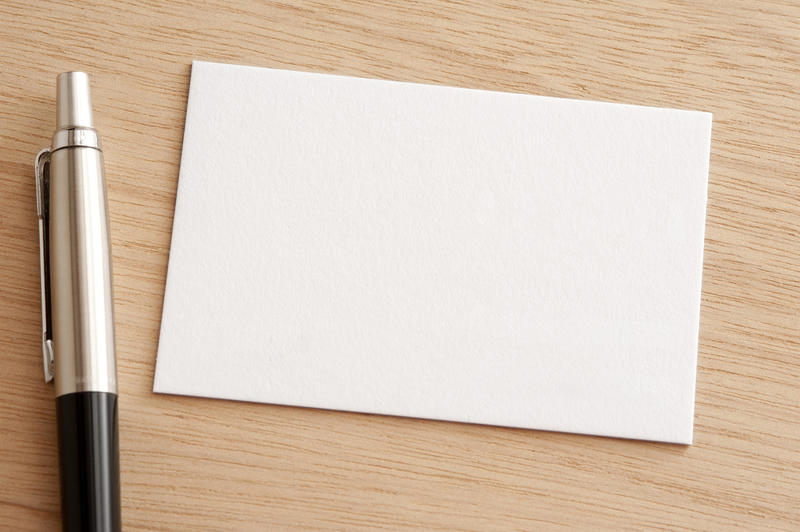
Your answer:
<point x="77" y="311"/>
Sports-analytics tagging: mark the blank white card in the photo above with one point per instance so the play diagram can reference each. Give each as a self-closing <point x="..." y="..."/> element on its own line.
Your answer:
<point x="436" y="252"/>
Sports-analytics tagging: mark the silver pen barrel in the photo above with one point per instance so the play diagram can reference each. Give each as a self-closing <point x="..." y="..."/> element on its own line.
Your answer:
<point x="78" y="313"/>
<point x="81" y="296"/>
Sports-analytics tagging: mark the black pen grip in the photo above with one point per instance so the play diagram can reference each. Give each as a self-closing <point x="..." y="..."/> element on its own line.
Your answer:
<point x="89" y="461"/>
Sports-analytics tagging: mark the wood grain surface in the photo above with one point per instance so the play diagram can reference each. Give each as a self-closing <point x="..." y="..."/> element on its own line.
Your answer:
<point x="197" y="464"/>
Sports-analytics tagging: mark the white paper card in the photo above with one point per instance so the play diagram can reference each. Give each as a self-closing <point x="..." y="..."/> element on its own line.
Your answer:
<point x="436" y="252"/>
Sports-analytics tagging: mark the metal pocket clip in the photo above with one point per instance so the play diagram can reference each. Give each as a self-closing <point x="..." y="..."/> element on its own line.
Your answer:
<point x="42" y="168"/>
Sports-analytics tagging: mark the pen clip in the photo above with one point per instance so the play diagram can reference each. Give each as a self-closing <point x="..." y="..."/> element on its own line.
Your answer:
<point x="42" y="168"/>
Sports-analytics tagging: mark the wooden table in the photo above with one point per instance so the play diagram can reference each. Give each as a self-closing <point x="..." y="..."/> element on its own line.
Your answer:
<point x="202" y="464"/>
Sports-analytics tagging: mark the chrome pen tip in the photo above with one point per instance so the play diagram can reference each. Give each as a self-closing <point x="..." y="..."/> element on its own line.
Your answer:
<point x="73" y="102"/>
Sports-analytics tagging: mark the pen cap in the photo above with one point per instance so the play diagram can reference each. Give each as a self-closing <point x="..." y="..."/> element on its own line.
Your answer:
<point x="73" y="103"/>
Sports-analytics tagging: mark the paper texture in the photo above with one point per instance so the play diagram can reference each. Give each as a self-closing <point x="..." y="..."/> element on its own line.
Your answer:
<point x="436" y="252"/>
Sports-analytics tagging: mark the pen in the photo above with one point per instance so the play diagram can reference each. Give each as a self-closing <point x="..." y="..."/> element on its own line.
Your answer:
<point x="77" y="311"/>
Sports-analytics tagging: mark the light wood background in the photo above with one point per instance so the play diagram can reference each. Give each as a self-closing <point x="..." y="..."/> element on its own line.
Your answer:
<point x="196" y="464"/>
